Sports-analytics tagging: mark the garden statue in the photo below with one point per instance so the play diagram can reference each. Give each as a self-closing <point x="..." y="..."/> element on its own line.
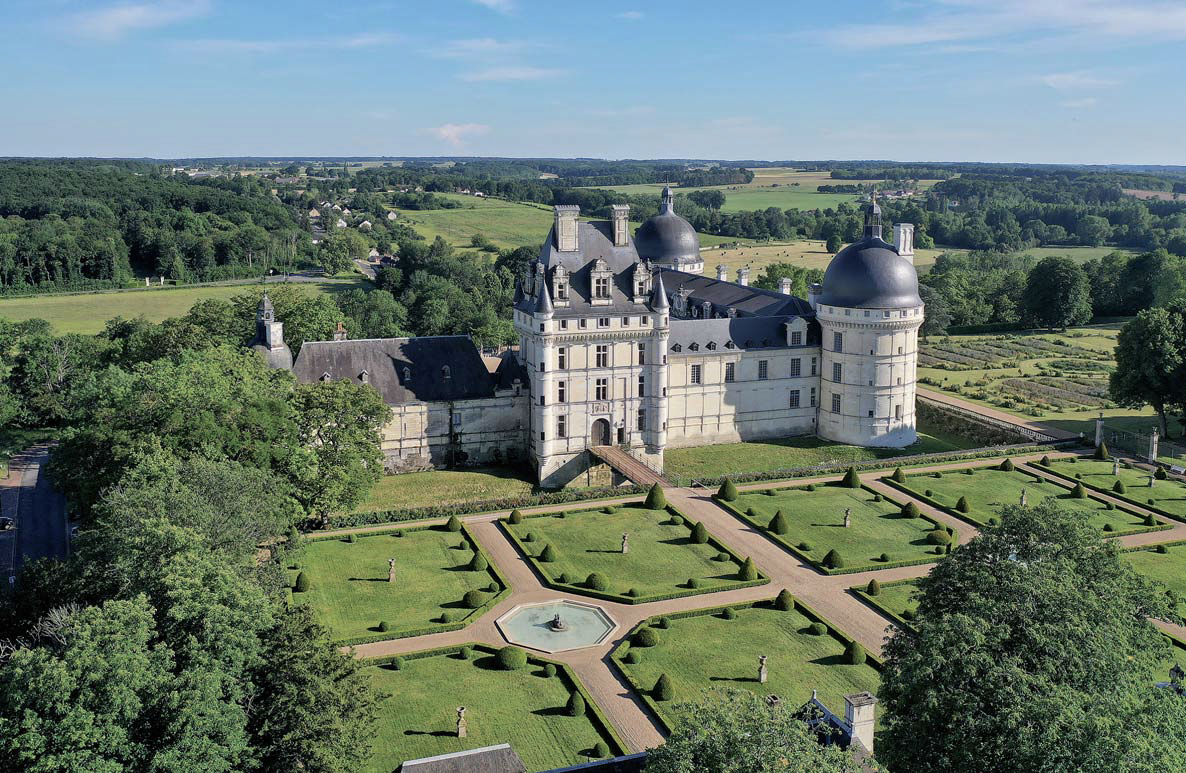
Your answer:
<point x="391" y="570"/>
<point x="556" y="624"/>
<point x="1023" y="498"/>
<point x="625" y="543"/>
<point x="462" y="730"/>
<point x="847" y="517"/>
<point x="762" y="669"/>
<point x="1116" y="466"/>
<point x="1151" y="481"/>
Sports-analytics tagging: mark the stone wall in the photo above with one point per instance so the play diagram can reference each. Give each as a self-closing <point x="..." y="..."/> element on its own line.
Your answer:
<point x="464" y="433"/>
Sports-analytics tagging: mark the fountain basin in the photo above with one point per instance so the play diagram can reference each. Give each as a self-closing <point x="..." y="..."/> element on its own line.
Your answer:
<point x="530" y="625"/>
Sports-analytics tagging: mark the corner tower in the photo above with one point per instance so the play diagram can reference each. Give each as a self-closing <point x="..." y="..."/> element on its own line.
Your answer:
<point x="869" y="313"/>
<point x="269" y="336"/>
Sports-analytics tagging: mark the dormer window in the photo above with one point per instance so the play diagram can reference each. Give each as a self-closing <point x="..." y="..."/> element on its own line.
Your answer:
<point x="601" y="278"/>
<point x="364" y="377"/>
<point x="407" y="375"/>
<point x="445" y="372"/>
<point x="601" y="287"/>
<point x="694" y="347"/>
<point x="560" y="285"/>
<point x="676" y="348"/>
<point x="730" y="345"/>
<point x="326" y="376"/>
<point x="712" y="345"/>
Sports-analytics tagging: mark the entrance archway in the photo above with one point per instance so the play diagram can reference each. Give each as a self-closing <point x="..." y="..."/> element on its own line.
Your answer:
<point x="601" y="433"/>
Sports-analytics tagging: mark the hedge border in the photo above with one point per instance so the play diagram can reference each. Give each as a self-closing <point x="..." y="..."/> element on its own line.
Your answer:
<point x="482" y="506"/>
<point x="954" y="513"/>
<point x="794" y="550"/>
<point x="644" y="693"/>
<point x="864" y="597"/>
<point x="1101" y="490"/>
<point x="550" y="582"/>
<point x="593" y="711"/>
<point x="472" y="614"/>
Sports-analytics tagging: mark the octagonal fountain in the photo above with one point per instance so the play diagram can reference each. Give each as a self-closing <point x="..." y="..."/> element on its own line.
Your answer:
<point x="557" y="626"/>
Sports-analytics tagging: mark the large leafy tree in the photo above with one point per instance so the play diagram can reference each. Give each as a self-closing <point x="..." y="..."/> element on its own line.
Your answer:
<point x="936" y="312"/>
<point x="1033" y="652"/>
<point x="1057" y="293"/>
<point x="1149" y="362"/>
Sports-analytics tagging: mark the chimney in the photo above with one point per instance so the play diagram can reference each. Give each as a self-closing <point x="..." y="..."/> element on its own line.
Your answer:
<point x="813" y="293"/>
<point x="904" y="240"/>
<point x="784" y="285"/>
<point x="621" y="229"/>
<point x="859" y="709"/>
<point x="340" y="332"/>
<point x="743" y="276"/>
<point x="722" y="273"/>
<point x="566" y="227"/>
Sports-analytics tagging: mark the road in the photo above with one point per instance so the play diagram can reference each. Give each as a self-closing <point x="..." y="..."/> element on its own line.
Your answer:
<point x="40" y="512"/>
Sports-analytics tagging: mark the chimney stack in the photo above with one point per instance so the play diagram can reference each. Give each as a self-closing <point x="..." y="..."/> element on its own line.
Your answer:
<point x="784" y="285"/>
<point x="340" y="332"/>
<point x="743" y="276"/>
<point x="904" y="240"/>
<point x="722" y="273"/>
<point x="813" y="293"/>
<point x="859" y="709"/>
<point x="566" y="227"/>
<point x="621" y="229"/>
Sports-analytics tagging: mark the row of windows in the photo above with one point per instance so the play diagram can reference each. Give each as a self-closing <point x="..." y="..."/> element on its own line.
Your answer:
<point x="695" y="371"/>
<point x="884" y="314"/>
<point x="600" y="357"/>
<point x="838" y="374"/>
<point x="603" y="322"/>
<point x="600" y="390"/>
<point x="836" y="406"/>
<point x="562" y="424"/>
<point x="796" y="398"/>
<point x="838" y="344"/>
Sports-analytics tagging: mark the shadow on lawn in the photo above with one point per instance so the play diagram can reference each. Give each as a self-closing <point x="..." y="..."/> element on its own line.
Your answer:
<point x="433" y="733"/>
<point x="732" y="679"/>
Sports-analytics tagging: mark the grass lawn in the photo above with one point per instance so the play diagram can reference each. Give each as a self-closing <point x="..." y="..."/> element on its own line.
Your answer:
<point x="1168" y="495"/>
<point x="662" y="555"/>
<point x="816" y="519"/>
<point x="505" y="223"/>
<point x="350" y="594"/>
<point x="988" y="488"/>
<point x="791" y="453"/>
<point x="445" y="487"/>
<point x="1167" y="568"/>
<point x="88" y="312"/>
<point x="706" y="651"/>
<point x="896" y="598"/>
<point x="419" y="716"/>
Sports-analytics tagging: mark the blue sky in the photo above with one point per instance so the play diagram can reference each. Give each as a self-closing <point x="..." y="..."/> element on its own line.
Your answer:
<point x="1083" y="81"/>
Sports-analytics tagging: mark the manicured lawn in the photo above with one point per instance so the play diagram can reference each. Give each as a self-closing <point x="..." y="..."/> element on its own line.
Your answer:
<point x="419" y="716"/>
<point x="662" y="555"/>
<point x="89" y="312"/>
<point x="350" y="594"/>
<point x="1169" y="495"/>
<point x="896" y="598"/>
<point x="1167" y="568"/>
<point x="445" y="487"/>
<point x="705" y="652"/>
<point x="988" y="489"/>
<point x="791" y="453"/>
<point x="816" y="518"/>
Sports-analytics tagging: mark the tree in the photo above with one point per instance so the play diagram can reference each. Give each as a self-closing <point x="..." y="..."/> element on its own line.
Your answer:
<point x="833" y="243"/>
<point x="996" y="626"/>
<point x="800" y="277"/>
<point x="937" y="314"/>
<point x="1057" y="293"/>
<point x="372" y="314"/>
<point x="851" y="478"/>
<point x="1093" y="230"/>
<point x="340" y="248"/>
<point x="1149" y="360"/>
<point x="728" y="491"/>
<point x="736" y="731"/>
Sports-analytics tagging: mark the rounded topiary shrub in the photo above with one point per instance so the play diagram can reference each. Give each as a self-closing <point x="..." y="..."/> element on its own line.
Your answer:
<point x="383" y="626"/>
<point x="351" y="539"/>
<point x="969" y="471"/>
<point x="453" y="524"/>
<point x="784" y="601"/>
<point x="722" y="557"/>
<point x="396" y="664"/>
<point x="563" y="578"/>
<point x="817" y="629"/>
<point x="473" y="599"/>
<point x="663" y="622"/>
<point x="663" y="690"/>
<point x="448" y="617"/>
<point x="940" y="549"/>
<point x="1109" y="527"/>
<point x="656" y="499"/>
<point x="1150" y="501"/>
<point x="873" y="588"/>
<point x="1078" y="476"/>
<point x="851" y="479"/>
<point x="877" y="497"/>
<point x="516" y="517"/>
<point x="778" y="524"/>
<point x="478" y="563"/>
<point x="939" y="537"/>
<point x="609" y="510"/>
<point x="600" y="749"/>
<point x="770" y="492"/>
<point x="302" y="583"/>
<point x="804" y="546"/>
<point x="810" y="487"/>
<point x="728" y="613"/>
<point x="751" y="512"/>
<point x="962" y="505"/>
<point x="910" y="510"/>
<point x="632" y="658"/>
<point x="645" y="637"/>
<point x="596" y="581"/>
<point x="676" y="520"/>
<point x="576" y="705"/>
<point x="633" y="593"/>
<point x="728" y="491"/>
<point x="511" y="659"/>
<point x="1045" y="461"/>
<point x="748" y="571"/>
<point x="692" y="583"/>
<point x="1109" y="506"/>
<point x="548" y="554"/>
<point x="885" y="558"/>
<point x="928" y="493"/>
<point x="1159" y="473"/>
<point x="529" y="537"/>
<point x="833" y="559"/>
<point x="1150" y="520"/>
<point x="1162" y="549"/>
<point x="1006" y="465"/>
<point x="549" y="670"/>
<point x="465" y="653"/>
<point x="898" y="476"/>
<point x="1079" y="492"/>
<point x="699" y="533"/>
<point x="854" y="654"/>
<point x="1119" y="487"/>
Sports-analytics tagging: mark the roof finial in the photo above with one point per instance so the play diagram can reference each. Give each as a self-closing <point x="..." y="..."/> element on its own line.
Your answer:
<point x="668" y="205"/>
<point x="873" y="217"/>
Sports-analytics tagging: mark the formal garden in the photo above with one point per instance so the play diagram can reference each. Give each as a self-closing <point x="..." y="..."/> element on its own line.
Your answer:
<point x="976" y="494"/>
<point x="630" y="553"/>
<point x="896" y="600"/>
<point x="507" y="696"/>
<point x="670" y="660"/>
<point x="1124" y="481"/>
<point x="1166" y="564"/>
<point x="440" y="579"/>
<point x="839" y="528"/>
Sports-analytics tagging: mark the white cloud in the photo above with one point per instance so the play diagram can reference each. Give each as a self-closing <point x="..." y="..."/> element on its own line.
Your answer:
<point x="115" y="21"/>
<point x="1075" y="80"/>
<point x="1075" y="104"/>
<point x="502" y="6"/>
<point x="616" y="112"/>
<point x="480" y="48"/>
<point x="455" y="133"/>
<point x="264" y="46"/>
<point x="511" y="73"/>
<point x="629" y="15"/>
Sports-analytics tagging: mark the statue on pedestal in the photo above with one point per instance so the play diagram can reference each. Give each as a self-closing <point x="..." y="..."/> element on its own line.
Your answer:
<point x="762" y="669"/>
<point x="462" y="730"/>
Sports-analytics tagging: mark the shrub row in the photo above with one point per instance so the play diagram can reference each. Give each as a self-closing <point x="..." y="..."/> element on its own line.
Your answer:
<point x="1111" y="492"/>
<point x="863" y="592"/>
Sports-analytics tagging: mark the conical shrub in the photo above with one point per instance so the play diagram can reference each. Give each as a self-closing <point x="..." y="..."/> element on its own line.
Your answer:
<point x="748" y="572"/>
<point x="1101" y="451"/>
<point x="663" y="690"/>
<point x="851" y="479"/>
<point x="656" y="499"/>
<point x="727" y="491"/>
<point x="873" y="588"/>
<point x="699" y="534"/>
<point x="778" y="524"/>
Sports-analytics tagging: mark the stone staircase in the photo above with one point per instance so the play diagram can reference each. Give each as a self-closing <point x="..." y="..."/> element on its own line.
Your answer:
<point x="635" y="471"/>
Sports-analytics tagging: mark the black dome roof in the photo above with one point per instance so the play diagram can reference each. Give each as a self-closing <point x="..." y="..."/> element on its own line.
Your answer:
<point x="667" y="238"/>
<point x="870" y="274"/>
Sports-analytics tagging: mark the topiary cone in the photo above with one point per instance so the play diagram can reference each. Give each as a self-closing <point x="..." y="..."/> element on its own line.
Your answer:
<point x="516" y="516"/>
<point x="833" y="560"/>
<point x="898" y="476"/>
<point x="854" y="654"/>
<point x="874" y="588"/>
<point x="1007" y="465"/>
<point x="548" y="554"/>
<point x="778" y="524"/>
<point x="656" y="500"/>
<point x="699" y="534"/>
<point x="962" y="505"/>
<point x="851" y="479"/>
<point x="784" y="601"/>
<point x="727" y="491"/>
<point x="1101" y="452"/>
<point x="302" y="583"/>
<point x="663" y="690"/>
<point x="1079" y="492"/>
<point x="748" y="571"/>
<point x="576" y="705"/>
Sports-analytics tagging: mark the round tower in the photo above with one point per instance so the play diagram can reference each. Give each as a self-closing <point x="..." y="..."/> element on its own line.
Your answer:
<point x="869" y="312"/>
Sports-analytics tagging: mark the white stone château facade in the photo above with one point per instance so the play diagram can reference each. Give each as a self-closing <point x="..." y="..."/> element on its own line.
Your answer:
<point x="622" y="342"/>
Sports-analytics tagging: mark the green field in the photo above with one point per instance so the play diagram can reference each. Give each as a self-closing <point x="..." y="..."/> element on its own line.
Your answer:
<point x="1167" y="568"/>
<point x="988" y="489"/>
<point x="505" y="223"/>
<point x="418" y="718"/>
<point x="790" y="453"/>
<point x="1168" y="495"/>
<point x="662" y="555"/>
<point x="350" y="595"/>
<point x="816" y="519"/>
<point x="707" y="651"/>
<point x="445" y="487"/>
<point x="89" y="312"/>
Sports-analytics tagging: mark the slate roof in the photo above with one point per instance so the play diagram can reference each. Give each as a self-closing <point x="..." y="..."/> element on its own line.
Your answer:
<point x="488" y="759"/>
<point x="747" y="300"/>
<point x="667" y="238"/>
<point x="738" y="334"/>
<point x="384" y="360"/>
<point x="594" y="240"/>
<point x="870" y="274"/>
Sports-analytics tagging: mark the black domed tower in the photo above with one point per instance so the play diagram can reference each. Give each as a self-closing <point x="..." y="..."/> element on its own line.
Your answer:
<point x="669" y="241"/>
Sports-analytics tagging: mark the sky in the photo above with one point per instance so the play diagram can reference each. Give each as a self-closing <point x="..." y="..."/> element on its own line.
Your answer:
<point x="1045" y="81"/>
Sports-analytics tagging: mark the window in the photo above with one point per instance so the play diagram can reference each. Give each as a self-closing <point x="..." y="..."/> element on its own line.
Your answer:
<point x="897" y="411"/>
<point x="644" y="321"/>
<point x="797" y="338"/>
<point x="899" y="350"/>
<point x="603" y="322"/>
<point x="561" y="426"/>
<point x="601" y="389"/>
<point x="835" y="403"/>
<point x="541" y="367"/>
<point x="541" y="435"/>
<point x="838" y="342"/>
<point x="407" y="375"/>
<point x="813" y="366"/>
<point x="564" y="324"/>
<point x="561" y="391"/>
<point x="837" y="372"/>
<point x="625" y="321"/>
<point x="641" y="288"/>
<point x="561" y="291"/>
<point x="813" y="397"/>
<point x="642" y="353"/>
<point x="601" y="287"/>
<point x="541" y="327"/>
<point x="642" y="386"/>
<point x="583" y="323"/>
<point x="730" y="372"/>
<point x="796" y="367"/>
<point x="446" y="373"/>
<point x="642" y="420"/>
<point x="602" y="356"/>
<point x="562" y="358"/>
<point x="694" y="376"/>
<point x="541" y="400"/>
<point x="794" y="398"/>
<point x="762" y="370"/>
<point x="866" y="312"/>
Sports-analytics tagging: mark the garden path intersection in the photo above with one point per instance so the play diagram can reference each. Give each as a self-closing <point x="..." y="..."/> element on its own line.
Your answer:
<point x="829" y="595"/>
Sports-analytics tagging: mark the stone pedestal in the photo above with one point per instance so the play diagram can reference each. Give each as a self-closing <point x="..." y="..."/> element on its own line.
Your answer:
<point x="391" y="570"/>
<point x="762" y="674"/>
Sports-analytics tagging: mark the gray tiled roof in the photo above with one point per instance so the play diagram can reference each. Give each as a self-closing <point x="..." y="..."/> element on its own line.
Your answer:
<point x="748" y="301"/>
<point x="594" y="241"/>
<point x="870" y="274"/>
<point x="490" y="759"/>
<point x="384" y="361"/>
<point x="742" y="332"/>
